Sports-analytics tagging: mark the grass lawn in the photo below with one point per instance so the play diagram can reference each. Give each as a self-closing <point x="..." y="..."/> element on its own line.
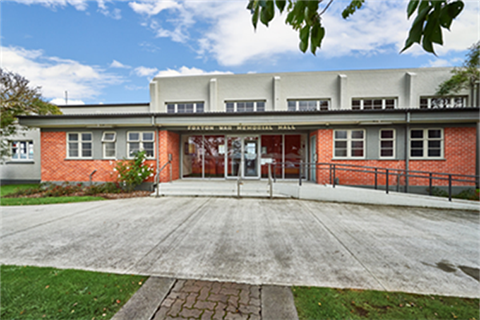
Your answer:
<point x="48" y="293"/>
<point x="6" y="189"/>
<point x="326" y="303"/>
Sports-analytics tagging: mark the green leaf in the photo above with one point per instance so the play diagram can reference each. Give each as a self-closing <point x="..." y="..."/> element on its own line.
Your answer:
<point x="445" y="18"/>
<point x="455" y="8"/>
<point x="427" y="45"/>
<point x="255" y="17"/>
<point x="267" y="13"/>
<point x="416" y="31"/>
<point x="304" y="33"/>
<point x="352" y="7"/>
<point x="316" y="36"/>
<point x="412" y="5"/>
<point x="280" y="4"/>
<point x="432" y="30"/>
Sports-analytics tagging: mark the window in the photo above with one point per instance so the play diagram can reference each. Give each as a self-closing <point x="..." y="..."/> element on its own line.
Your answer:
<point x="22" y="150"/>
<point x="387" y="143"/>
<point x="245" y="106"/>
<point x="188" y="107"/>
<point x="79" y="145"/>
<point x="137" y="141"/>
<point x="426" y="143"/>
<point x="349" y="144"/>
<point x="374" y="104"/>
<point x="308" y="105"/>
<point x="108" y="140"/>
<point x="443" y="102"/>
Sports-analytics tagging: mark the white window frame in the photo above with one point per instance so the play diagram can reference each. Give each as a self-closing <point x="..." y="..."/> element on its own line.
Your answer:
<point x="319" y="104"/>
<point x="384" y="103"/>
<point x="106" y="141"/>
<point x="349" y="141"/>
<point x="176" y="104"/>
<point x="393" y="139"/>
<point x="80" y="145"/>
<point x="235" y="105"/>
<point x="450" y="102"/>
<point x="140" y="143"/>
<point x="29" y="144"/>
<point x="425" y="140"/>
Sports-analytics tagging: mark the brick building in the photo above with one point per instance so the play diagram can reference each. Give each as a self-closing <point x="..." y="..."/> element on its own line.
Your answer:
<point x="226" y="126"/>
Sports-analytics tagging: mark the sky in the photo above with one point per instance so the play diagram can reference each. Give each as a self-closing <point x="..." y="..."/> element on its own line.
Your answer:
<point x="102" y="51"/>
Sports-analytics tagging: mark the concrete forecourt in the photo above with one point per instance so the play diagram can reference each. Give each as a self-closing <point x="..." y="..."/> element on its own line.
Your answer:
<point x="253" y="241"/>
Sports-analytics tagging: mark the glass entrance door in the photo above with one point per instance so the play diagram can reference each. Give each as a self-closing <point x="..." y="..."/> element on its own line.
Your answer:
<point x="242" y="157"/>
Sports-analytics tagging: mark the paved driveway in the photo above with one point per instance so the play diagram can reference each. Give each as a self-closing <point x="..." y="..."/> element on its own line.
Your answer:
<point x="286" y="242"/>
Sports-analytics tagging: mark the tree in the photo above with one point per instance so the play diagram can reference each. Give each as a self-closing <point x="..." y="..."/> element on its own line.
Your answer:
<point x="465" y="77"/>
<point x="305" y="16"/>
<point x="17" y="98"/>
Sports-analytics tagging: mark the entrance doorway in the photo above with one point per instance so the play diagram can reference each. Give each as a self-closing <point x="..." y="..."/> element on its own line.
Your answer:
<point x="242" y="157"/>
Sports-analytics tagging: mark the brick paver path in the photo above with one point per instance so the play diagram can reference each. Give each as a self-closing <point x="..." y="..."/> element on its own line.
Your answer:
<point x="191" y="299"/>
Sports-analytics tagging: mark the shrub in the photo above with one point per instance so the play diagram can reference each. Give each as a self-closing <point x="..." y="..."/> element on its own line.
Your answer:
<point x="131" y="173"/>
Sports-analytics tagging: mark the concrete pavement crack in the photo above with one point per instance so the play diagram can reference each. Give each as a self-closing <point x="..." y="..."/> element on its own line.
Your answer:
<point x="344" y="246"/>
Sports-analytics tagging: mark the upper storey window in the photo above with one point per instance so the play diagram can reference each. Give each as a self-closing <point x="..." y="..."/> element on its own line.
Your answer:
<point x="374" y="104"/>
<point x="245" y="106"/>
<point x="308" y="105"/>
<point x="22" y="150"/>
<point x="189" y="107"/>
<point x="443" y="102"/>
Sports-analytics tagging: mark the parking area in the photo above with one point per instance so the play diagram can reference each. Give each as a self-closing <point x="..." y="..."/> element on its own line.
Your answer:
<point x="254" y="241"/>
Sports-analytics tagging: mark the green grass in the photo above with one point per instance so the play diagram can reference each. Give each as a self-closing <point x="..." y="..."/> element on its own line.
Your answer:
<point x="49" y="200"/>
<point x="11" y="188"/>
<point x="7" y="189"/>
<point x="48" y="293"/>
<point x="326" y="303"/>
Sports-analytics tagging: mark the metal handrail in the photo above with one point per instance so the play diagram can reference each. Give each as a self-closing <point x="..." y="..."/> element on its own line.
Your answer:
<point x="387" y="172"/>
<point x="157" y="178"/>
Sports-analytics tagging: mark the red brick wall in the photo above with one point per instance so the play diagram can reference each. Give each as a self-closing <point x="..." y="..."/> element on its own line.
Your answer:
<point x="459" y="154"/>
<point x="169" y="143"/>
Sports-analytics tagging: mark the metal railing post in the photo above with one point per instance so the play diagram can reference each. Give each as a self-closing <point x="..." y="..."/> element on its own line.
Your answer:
<point x="91" y="174"/>
<point x="170" y="161"/>
<point x="449" y="187"/>
<point x="333" y="172"/>
<point x="274" y="172"/>
<point x="270" y="179"/>
<point x="376" y="173"/>
<point x="430" y="184"/>
<point x="386" y="183"/>
<point x="300" y="174"/>
<point x="239" y="180"/>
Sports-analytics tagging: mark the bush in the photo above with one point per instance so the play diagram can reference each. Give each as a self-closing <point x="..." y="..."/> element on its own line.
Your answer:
<point x="131" y="173"/>
<point x="109" y="187"/>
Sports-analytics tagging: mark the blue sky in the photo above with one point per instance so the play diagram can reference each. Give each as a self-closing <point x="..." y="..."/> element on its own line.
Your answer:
<point x="108" y="51"/>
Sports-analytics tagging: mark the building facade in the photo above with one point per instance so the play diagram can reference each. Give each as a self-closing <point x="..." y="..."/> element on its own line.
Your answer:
<point x="230" y="126"/>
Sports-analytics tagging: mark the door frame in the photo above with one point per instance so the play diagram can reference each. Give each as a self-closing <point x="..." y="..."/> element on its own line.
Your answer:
<point x="242" y="156"/>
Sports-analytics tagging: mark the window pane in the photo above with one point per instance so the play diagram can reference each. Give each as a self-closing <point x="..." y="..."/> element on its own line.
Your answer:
<point x="416" y="144"/>
<point x="416" y="153"/>
<point x="189" y="108"/>
<point x="434" y="152"/>
<point x="386" y="134"/>
<point x="458" y="102"/>
<point x="260" y="106"/>
<point x="312" y="105"/>
<point x="110" y="149"/>
<point x="387" y="144"/>
<point x="416" y="134"/>
<point x="148" y="136"/>
<point x="30" y="150"/>
<point x="303" y="105"/>
<point x="240" y="106"/>
<point x="423" y="103"/>
<point x="340" y="152"/>
<point x="323" y="105"/>
<point x="340" y="134"/>
<point x="86" y="149"/>
<point x="434" y="144"/>
<point x="377" y="104"/>
<point x="291" y="105"/>
<point x="434" y="133"/>
<point x="200" y="107"/>
<point x="386" y="153"/>
<point x="367" y="104"/>
<point x="357" y="134"/>
<point x="170" y="108"/>
<point x="340" y="144"/>
<point x="109" y="136"/>
<point x="72" y="149"/>
<point x="181" y="108"/>
<point x="133" y="147"/>
<point x="357" y="152"/>
<point x="133" y="136"/>
<point x="86" y="137"/>
<point x="389" y="104"/>
<point x="72" y="137"/>
<point x="230" y="107"/>
<point x="355" y="104"/>
<point x="357" y="144"/>
<point x="148" y="147"/>
<point x="249" y="107"/>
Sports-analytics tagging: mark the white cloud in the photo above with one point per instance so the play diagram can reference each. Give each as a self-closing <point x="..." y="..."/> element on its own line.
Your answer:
<point x="185" y="71"/>
<point x="438" y="63"/>
<point x="227" y="34"/>
<point x="78" y="4"/>
<point x="60" y="102"/>
<point x="116" y="64"/>
<point x="145" y="71"/>
<point x="115" y="13"/>
<point x="55" y="75"/>
<point x="151" y="8"/>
